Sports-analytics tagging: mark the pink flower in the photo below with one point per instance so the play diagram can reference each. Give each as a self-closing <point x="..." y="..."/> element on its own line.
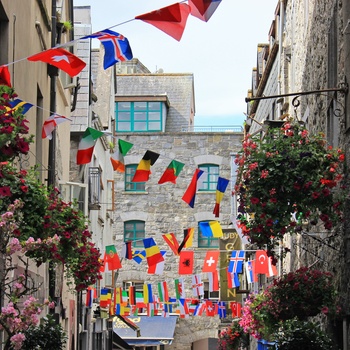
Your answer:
<point x="5" y="191"/>
<point x="264" y="174"/>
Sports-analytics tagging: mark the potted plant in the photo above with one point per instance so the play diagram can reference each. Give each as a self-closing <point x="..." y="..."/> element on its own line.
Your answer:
<point x="286" y="180"/>
<point x="232" y="338"/>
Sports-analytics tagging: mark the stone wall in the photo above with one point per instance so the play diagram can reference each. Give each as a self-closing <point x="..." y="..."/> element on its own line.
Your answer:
<point x="164" y="211"/>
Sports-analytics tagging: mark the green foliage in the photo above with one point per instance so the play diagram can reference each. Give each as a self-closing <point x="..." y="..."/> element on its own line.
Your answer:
<point x="47" y="336"/>
<point x="232" y="338"/>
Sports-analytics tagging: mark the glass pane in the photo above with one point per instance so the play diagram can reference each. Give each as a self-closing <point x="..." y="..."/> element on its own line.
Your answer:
<point x="128" y="236"/>
<point x="212" y="186"/>
<point x="123" y="116"/>
<point x="154" y="116"/>
<point x="123" y="127"/>
<point x="154" y="106"/>
<point x="214" y="170"/>
<point x="154" y="126"/>
<point x="140" y="186"/>
<point x="128" y="187"/>
<point x="128" y="226"/>
<point x="140" y="226"/>
<point x="140" y="116"/>
<point x="140" y="126"/>
<point x="123" y="105"/>
<point x="140" y="106"/>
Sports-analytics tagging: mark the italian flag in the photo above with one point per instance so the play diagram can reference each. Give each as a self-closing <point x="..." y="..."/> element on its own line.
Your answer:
<point x="87" y="144"/>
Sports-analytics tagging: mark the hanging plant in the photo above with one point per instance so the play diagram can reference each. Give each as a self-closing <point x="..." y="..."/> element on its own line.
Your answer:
<point x="285" y="180"/>
<point x="232" y="338"/>
<point x="300" y="294"/>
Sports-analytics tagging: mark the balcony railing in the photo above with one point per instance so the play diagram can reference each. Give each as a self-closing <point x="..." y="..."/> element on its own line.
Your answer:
<point x="223" y="128"/>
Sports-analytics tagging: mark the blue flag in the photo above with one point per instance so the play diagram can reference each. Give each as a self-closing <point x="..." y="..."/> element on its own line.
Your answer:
<point x="236" y="261"/>
<point x="117" y="47"/>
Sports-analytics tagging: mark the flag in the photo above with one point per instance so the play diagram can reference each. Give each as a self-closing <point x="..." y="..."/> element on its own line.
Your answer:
<point x="87" y="144"/>
<point x="210" y="229"/>
<point x="199" y="309"/>
<point x="158" y="268"/>
<point x="17" y="103"/>
<point x="197" y="286"/>
<point x="118" y="295"/>
<point x="250" y="271"/>
<point x="50" y="125"/>
<point x="203" y="9"/>
<point x="117" y="158"/>
<point x="117" y="47"/>
<point x="172" y="242"/>
<point x="210" y="309"/>
<point x="188" y="238"/>
<point x="105" y="298"/>
<point x="261" y="262"/>
<point x="184" y="312"/>
<point x="179" y="288"/>
<point x="171" y="19"/>
<point x="139" y="255"/>
<point x="220" y="190"/>
<point x="122" y="310"/>
<point x="132" y="296"/>
<point x="272" y="269"/>
<point x="5" y="78"/>
<point x="147" y="293"/>
<point x="171" y="172"/>
<point x="190" y="195"/>
<point x="232" y="280"/>
<point x="60" y="58"/>
<point x="221" y="309"/>
<point x="213" y="278"/>
<point x="236" y="261"/>
<point x="89" y="297"/>
<point x="186" y="262"/>
<point x="211" y="260"/>
<point x="143" y="170"/>
<point x="153" y="253"/>
<point x="163" y="291"/>
<point x="112" y="258"/>
<point x="126" y="250"/>
<point x="236" y="309"/>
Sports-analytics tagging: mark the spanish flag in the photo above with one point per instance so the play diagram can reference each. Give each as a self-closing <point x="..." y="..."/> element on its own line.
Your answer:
<point x="143" y="170"/>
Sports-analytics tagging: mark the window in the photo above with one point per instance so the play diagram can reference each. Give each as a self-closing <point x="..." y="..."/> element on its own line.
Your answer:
<point x="133" y="186"/>
<point x="134" y="230"/>
<point x="71" y="191"/>
<point x="207" y="242"/>
<point x="137" y="284"/>
<point x="209" y="178"/>
<point x="94" y="186"/>
<point x="138" y="116"/>
<point x="210" y="295"/>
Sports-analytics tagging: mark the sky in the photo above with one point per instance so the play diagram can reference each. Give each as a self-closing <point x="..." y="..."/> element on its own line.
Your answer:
<point x="220" y="53"/>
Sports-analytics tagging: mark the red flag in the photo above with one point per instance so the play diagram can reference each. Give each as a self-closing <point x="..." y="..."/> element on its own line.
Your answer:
<point x="172" y="242"/>
<point x="210" y="308"/>
<point x="5" y="78"/>
<point x="171" y="19"/>
<point x="272" y="271"/>
<point x="261" y="262"/>
<point x="213" y="278"/>
<point x="186" y="262"/>
<point x="61" y="59"/>
<point x="236" y="309"/>
<point x="112" y="258"/>
<point x="203" y="9"/>
<point x="210" y="261"/>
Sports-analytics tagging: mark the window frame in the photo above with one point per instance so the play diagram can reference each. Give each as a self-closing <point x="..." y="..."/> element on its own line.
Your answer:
<point x="136" y="241"/>
<point x="135" y="186"/>
<point x="151" y="115"/>
<point x="206" y="183"/>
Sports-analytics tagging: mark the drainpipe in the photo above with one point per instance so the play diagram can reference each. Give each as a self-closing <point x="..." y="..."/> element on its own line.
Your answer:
<point x="346" y="47"/>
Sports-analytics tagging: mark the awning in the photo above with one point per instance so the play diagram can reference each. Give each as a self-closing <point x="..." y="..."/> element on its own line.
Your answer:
<point x="154" y="331"/>
<point x="119" y="343"/>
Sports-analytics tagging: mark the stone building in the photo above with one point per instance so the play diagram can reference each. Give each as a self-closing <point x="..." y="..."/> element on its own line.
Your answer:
<point x="313" y="61"/>
<point x="149" y="209"/>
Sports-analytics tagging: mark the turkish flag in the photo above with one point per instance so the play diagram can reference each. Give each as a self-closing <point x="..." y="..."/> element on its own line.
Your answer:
<point x="210" y="261"/>
<point x="186" y="262"/>
<point x="236" y="309"/>
<point x="171" y="19"/>
<point x="261" y="262"/>
<point x="61" y="59"/>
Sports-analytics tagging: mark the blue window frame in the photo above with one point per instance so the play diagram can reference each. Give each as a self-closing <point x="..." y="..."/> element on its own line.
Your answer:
<point x="134" y="230"/>
<point x="209" y="178"/>
<point x="207" y="242"/>
<point x="133" y="186"/>
<point x="139" y="116"/>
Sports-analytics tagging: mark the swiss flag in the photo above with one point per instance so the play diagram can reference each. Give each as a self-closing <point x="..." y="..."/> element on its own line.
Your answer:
<point x="261" y="262"/>
<point x="186" y="262"/>
<point x="61" y="59"/>
<point x="210" y="308"/>
<point x="210" y="261"/>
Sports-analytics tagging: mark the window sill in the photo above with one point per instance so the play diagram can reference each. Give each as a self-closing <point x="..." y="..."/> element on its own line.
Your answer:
<point x="133" y="193"/>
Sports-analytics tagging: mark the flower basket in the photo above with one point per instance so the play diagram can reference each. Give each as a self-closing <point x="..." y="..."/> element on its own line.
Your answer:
<point x="232" y="338"/>
<point x="285" y="180"/>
